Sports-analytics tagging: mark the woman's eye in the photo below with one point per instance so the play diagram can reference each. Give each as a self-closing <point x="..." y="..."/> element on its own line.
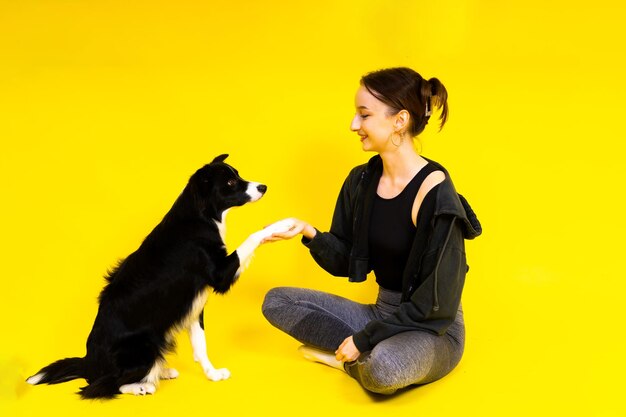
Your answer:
<point x="364" y="116"/>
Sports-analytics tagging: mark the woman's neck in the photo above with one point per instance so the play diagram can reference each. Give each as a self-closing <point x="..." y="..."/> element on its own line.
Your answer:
<point x="402" y="163"/>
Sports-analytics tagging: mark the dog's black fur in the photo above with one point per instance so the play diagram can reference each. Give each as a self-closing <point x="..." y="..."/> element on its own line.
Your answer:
<point x="150" y="293"/>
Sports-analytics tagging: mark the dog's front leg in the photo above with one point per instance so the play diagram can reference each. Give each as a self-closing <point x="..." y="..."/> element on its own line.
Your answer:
<point x="198" y="343"/>
<point x="247" y="248"/>
<point x="245" y="251"/>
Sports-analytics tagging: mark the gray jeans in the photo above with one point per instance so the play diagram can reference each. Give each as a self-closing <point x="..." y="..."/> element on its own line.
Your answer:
<point x="324" y="320"/>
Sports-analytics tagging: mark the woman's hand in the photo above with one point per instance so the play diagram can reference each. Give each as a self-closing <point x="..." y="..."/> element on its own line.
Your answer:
<point x="299" y="227"/>
<point x="347" y="351"/>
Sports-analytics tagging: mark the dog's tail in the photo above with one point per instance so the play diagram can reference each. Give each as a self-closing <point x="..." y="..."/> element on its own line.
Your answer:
<point x="60" y="371"/>
<point x="71" y="368"/>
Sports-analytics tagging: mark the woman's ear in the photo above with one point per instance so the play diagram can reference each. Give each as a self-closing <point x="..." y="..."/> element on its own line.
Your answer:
<point x="401" y="122"/>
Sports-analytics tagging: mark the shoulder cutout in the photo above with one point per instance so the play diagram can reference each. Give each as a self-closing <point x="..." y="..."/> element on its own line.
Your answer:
<point x="433" y="179"/>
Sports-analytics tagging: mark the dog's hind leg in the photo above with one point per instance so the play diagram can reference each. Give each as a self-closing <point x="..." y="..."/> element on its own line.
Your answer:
<point x="168" y="373"/>
<point x="139" y="388"/>
<point x="148" y="385"/>
<point x="140" y="362"/>
<point x="198" y="343"/>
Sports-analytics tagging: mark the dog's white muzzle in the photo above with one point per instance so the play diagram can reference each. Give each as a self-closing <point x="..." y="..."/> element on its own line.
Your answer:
<point x="253" y="191"/>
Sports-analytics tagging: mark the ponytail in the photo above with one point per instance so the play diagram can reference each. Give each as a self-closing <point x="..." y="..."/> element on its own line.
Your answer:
<point x="436" y="95"/>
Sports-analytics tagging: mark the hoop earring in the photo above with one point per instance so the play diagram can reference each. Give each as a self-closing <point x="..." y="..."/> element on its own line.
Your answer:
<point x="397" y="145"/>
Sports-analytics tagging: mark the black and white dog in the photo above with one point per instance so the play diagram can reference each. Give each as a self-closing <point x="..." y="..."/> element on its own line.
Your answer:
<point x="162" y="288"/>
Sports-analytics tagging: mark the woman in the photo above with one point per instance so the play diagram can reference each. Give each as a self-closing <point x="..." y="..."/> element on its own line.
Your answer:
<point x="400" y="216"/>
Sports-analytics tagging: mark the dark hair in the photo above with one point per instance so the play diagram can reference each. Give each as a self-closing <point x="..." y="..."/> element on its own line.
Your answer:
<point x="404" y="89"/>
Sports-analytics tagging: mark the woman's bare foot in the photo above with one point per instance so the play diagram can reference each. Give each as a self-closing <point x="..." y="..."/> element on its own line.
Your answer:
<point x="321" y="356"/>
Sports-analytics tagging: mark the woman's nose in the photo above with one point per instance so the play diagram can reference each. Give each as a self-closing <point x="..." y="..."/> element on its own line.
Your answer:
<point x="355" y="125"/>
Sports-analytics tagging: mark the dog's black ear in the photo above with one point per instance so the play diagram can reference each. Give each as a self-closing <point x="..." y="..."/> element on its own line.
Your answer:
<point x="220" y="158"/>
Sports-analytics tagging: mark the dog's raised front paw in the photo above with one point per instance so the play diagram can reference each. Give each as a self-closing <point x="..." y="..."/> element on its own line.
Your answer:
<point x="141" y="388"/>
<point x="280" y="226"/>
<point x="217" y="374"/>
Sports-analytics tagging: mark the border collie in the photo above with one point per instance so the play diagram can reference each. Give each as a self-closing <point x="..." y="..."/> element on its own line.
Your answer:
<point x="162" y="288"/>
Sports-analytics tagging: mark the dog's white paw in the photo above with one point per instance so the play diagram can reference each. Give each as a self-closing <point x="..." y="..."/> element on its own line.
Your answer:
<point x="141" y="388"/>
<point x="217" y="374"/>
<point x="280" y="226"/>
<point x="169" y="373"/>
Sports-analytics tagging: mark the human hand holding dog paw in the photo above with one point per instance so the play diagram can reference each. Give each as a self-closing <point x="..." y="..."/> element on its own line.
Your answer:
<point x="295" y="228"/>
<point x="281" y="226"/>
<point x="278" y="227"/>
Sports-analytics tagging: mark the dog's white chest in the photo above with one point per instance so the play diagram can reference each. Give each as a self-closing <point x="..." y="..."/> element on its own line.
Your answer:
<point x="221" y="227"/>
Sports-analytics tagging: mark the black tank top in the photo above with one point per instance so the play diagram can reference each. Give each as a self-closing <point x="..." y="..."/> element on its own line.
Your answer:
<point x="392" y="232"/>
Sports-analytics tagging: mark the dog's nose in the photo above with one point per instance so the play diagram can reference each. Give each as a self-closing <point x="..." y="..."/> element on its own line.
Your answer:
<point x="262" y="188"/>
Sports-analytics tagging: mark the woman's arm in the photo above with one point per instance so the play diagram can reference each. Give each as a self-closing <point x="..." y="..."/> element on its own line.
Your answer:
<point x="331" y="250"/>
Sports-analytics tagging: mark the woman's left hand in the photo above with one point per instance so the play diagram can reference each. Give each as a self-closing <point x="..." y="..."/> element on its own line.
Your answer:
<point x="347" y="351"/>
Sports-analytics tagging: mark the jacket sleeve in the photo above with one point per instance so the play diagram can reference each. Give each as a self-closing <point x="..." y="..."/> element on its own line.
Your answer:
<point x="331" y="250"/>
<point x="434" y="303"/>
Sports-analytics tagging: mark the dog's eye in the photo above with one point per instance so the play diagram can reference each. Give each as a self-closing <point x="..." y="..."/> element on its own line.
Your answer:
<point x="232" y="182"/>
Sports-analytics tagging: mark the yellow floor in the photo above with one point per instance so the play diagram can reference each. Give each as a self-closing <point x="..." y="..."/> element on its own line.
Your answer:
<point x="519" y="370"/>
<point x="107" y="107"/>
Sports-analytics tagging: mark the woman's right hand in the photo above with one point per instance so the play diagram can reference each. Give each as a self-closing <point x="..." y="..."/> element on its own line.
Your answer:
<point x="299" y="227"/>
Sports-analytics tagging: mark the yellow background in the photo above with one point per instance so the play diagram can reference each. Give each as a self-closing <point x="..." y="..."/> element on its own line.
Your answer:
<point x="107" y="107"/>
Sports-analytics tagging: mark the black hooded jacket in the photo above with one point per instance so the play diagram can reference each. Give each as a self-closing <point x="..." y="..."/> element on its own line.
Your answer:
<point x="433" y="279"/>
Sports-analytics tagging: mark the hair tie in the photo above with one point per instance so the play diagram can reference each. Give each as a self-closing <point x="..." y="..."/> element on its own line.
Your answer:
<point x="427" y="93"/>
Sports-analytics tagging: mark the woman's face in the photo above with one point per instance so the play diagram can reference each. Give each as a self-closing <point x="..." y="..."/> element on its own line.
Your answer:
<point x="373" y="121"/>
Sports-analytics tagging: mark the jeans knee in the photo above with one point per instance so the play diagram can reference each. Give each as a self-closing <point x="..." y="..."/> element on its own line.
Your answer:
<point x="269" y="301"/>
<point x="378" y="384"/>
<point x="376" y="377"/>
<point x="273" y="301"/>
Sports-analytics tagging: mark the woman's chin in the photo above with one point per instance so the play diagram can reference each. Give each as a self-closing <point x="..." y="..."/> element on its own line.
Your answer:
<point x="365" y="147"/>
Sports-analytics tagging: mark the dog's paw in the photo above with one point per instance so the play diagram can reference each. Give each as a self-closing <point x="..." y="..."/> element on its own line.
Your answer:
<point x="280" y="226"/>
<point x="169" y="373"/>
<point x="141" y="388"/>
<point x="217" y="374"/>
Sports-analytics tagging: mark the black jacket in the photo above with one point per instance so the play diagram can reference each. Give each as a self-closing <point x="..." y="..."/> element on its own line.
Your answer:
<point x="432" y="285"/>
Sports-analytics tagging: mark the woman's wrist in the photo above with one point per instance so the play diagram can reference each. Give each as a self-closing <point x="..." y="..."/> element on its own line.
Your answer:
<point x="309" y="231"/>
